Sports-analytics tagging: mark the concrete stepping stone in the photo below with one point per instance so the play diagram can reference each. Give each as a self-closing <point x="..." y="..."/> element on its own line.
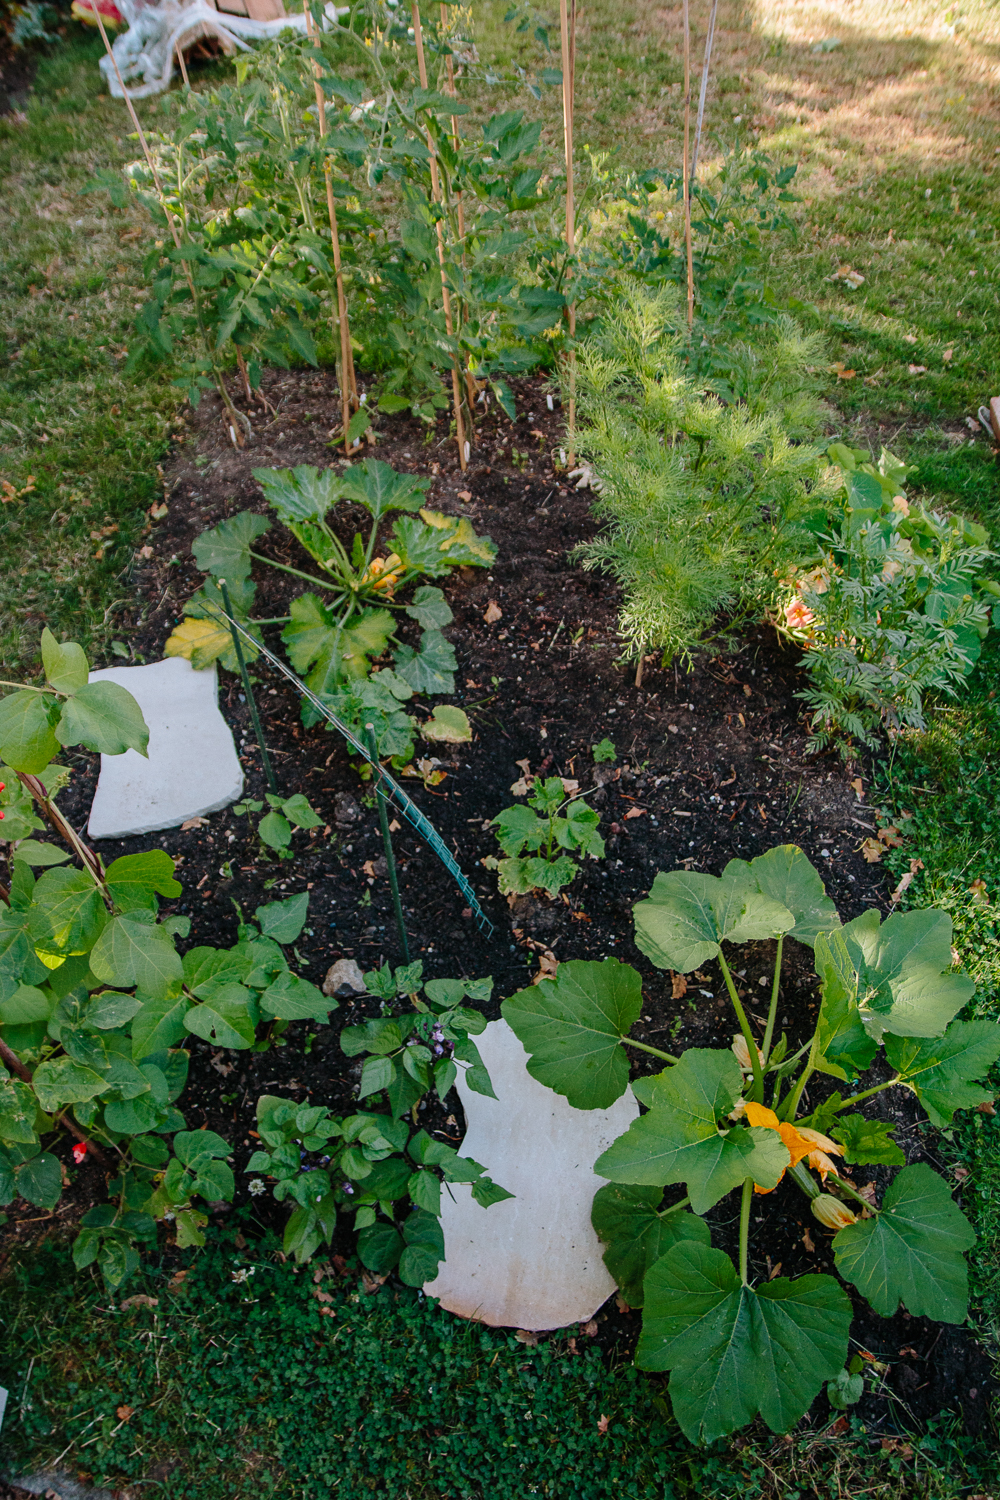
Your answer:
<point x="193" y="768"/>
<point x="533" y="1261"/>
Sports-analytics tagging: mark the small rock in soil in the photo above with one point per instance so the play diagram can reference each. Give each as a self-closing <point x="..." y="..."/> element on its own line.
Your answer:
<point x="346" y="811"/>
<point x="344" y="978"/>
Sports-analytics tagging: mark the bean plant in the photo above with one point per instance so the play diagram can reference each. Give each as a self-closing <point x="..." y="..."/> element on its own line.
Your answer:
<point x="332" y="636"/>
<point x="722" y="1121"/>
<point x="380" y="1165"/>
<point x="96" y="1003"/>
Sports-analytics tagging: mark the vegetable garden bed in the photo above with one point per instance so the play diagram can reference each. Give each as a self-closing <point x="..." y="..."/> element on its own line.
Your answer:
<point x="707" y="766"/>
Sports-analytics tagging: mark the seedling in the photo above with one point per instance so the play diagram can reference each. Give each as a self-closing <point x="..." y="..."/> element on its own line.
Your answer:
<point x="542" y="833"/>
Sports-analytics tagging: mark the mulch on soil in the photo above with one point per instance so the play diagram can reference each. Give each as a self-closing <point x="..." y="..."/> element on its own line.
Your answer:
<point x="711" y="765"/>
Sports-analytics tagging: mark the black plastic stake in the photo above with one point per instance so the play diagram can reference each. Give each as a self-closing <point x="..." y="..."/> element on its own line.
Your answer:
<point x="248" y="690"/>
<point x="390" y="858"/>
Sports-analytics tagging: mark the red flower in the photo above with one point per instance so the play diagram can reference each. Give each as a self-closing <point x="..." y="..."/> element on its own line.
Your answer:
<point x="79" y="1152"/>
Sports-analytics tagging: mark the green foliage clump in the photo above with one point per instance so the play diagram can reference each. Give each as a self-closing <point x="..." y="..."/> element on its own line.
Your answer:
<point x="702" y="501"/>
<point x="735" y="1349"/>
<point x="333" y="636"/>
<point x="379" y="1165"/>
<point x="95" y="1000"/>
<point x="893" y="603"/>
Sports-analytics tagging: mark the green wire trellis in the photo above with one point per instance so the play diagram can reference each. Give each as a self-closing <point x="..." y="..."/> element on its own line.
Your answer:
<point x="393" y="791"/>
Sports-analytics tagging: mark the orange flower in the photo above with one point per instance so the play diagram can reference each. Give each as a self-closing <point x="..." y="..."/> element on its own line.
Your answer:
<point x="797" y="616"/>
<point x="819" y="1159"/>
<point x="796" y="1143"/>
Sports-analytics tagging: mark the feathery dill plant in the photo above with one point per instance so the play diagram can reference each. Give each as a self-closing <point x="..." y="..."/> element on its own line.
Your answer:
<point x="703" y="499"/>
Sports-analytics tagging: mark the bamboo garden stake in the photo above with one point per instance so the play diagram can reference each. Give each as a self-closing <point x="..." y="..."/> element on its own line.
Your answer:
<point x="567" y="31"/>
<point x="236" y="419"/>
<point x="687" y="163"/>
<point x="445" y="294"/>
<point x="470" y="384"/>
<point x="703" y="93"/>
<point x="348" y="384"/>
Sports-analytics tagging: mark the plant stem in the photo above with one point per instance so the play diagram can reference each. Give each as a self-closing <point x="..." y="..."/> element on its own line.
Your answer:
<point x="772" y="1013"/>
<point x="804" y="1180"/>
<point x="13" y="1063"/>
<point x="745" y="1227"/>
<point x="852" y="1192"/>
<point x="567" y="31"/>
<point x="687" y="164"/>
<point x="791" y="1104"/>
<point x="445" y="291"/>
<point x="674" y="1208"/>
<point x="630" y="1042"/>
<point x="88" y="858"/>
<point x="876" y="1089"/>
<point x="758" y="1076"/>
<point x="297" y="572"/>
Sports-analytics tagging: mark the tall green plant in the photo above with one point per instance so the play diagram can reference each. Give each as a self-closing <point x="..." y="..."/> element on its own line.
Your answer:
<point x="718" y="1122"/>
<point x="702" y="501"/>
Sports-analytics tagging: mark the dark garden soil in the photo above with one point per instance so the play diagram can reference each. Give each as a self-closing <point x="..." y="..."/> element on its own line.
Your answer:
<point x="710" y="766"/>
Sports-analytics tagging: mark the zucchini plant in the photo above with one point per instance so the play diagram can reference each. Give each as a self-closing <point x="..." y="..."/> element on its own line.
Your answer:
<point x="96" y="1003"/>
<point x="339" y="627"/>
<point x="718" y="1121"/>
<point x="551" y="840"/>
<point x="380" y="1165"/>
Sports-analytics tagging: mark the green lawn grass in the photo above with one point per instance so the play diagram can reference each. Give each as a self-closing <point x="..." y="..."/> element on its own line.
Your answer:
<point x="240" y="1383"/>
<point x="86" y="437"/>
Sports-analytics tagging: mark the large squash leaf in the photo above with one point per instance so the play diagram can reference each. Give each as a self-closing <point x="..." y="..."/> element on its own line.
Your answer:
<point x="687" y="916"/>
<point x="637" y="1234"/>
<point x="736" y="1350"/>
<point x="680" y="1139"/>
<point x="941" y="1070"/>
<point x="911" y="1251"/>
<point x="335" y="654"/>
<point x="571" y="1026"/>
<point x="378" y="487"/>
<point x="225" y="550"/>
<point x="900" y="972"/>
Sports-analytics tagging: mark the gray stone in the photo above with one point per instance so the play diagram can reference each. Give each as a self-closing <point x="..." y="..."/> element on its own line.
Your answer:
<point x="346" y="811"/>
<point x="533" y="1261"/>
<point x="344" y="978"/>
<point x="193" y="768"/>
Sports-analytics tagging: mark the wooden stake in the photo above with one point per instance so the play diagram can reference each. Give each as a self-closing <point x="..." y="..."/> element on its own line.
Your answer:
<point x="436" y="194"/>
<point x="567" y="32"/>
<point x="470" y="384"/>
<point x="348" y="384"/>
<point x="687" y="160"/>
<point x="183" y="66"/>
<point x="709" y="40"/>
<point x="236" y="421"/>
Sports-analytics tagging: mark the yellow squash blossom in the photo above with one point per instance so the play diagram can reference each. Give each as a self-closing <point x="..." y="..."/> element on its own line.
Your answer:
<point x="742" y="1052"/>
<point x="831" y="1212"/>
<point x="798" y="1142"/>
<point x="386" y="570"/>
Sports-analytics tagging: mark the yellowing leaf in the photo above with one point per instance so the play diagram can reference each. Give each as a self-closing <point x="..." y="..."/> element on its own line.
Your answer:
<point x="199" y="641"/>
<point x="447" y="725"/>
